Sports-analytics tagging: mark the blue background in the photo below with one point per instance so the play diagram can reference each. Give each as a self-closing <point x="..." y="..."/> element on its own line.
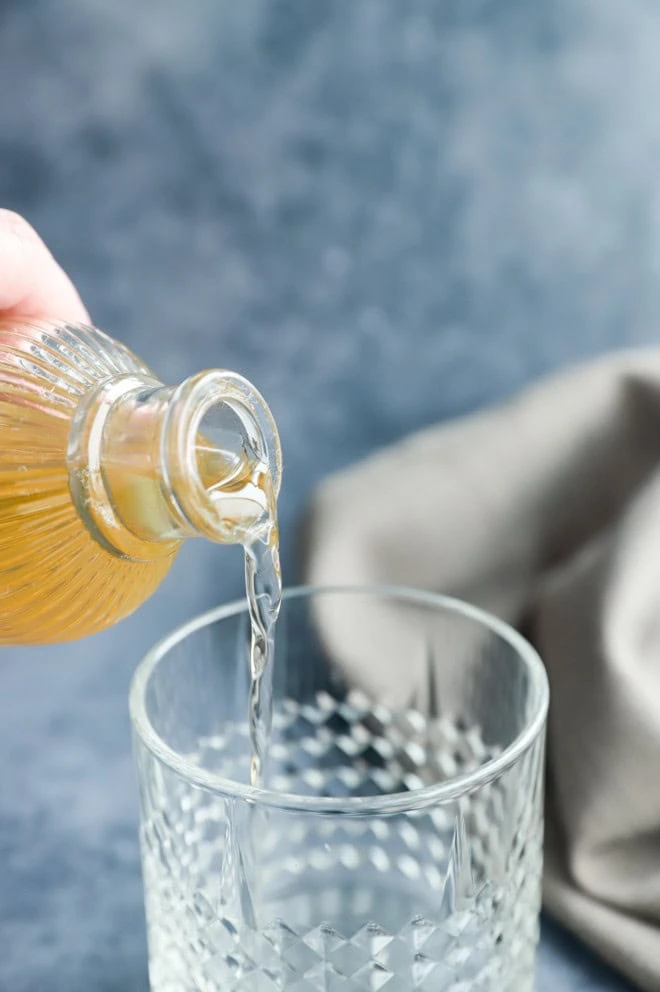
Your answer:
<point x="384" y="214"/>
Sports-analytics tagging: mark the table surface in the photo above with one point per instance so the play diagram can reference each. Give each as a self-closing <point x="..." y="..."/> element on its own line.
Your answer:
<point x="384" y="214"/>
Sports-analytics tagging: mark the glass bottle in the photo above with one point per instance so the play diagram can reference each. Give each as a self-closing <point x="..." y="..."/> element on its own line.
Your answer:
<point x="105" y="471"/>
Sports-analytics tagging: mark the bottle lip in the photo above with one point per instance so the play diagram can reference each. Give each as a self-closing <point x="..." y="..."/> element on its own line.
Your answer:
<point x="190" y="403"/>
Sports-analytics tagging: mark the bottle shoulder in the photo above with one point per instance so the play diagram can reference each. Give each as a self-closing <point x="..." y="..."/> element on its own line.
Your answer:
<point x="59" y="363"/>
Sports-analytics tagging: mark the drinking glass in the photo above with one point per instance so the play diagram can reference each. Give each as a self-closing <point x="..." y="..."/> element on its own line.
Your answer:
<point x="396" y="840"/>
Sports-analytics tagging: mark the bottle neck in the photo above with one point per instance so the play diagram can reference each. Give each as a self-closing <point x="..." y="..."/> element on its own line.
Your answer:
<point x="151" y="465"/>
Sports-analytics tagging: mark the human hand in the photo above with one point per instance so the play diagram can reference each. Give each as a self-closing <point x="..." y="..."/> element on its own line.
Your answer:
<point x="32" y="284"/>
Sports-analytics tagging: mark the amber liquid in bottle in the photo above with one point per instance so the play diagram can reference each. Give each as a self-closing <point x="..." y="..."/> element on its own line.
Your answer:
<point x="95" y="498"/>
<point x="44" y="598"/>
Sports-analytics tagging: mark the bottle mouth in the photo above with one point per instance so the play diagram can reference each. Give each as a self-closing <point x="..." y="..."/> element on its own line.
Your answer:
<point x="224" y="459"/>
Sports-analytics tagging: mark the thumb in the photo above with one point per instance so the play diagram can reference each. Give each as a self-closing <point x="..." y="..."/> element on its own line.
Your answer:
<point x="32" y="284"/>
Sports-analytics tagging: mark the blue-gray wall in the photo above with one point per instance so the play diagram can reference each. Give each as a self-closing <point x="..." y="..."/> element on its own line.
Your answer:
<point x="384" y="212"/>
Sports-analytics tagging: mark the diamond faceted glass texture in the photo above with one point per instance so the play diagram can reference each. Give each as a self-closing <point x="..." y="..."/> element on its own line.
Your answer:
<point x="393" y="848"/>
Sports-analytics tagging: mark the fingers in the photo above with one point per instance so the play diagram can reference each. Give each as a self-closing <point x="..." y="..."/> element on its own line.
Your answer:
<point x="32" y="284"/>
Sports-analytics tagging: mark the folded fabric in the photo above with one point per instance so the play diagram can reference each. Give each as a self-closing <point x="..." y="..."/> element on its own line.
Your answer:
<point x="545" y="511"/>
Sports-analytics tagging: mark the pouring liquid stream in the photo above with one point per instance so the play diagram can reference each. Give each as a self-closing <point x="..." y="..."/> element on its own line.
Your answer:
<point x="250" y="480"/>
<point x="263" y="585"/>
<point x="246" y="483"/>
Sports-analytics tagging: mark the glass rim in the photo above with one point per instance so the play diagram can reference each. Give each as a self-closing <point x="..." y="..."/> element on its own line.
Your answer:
<point x="435" y="794"/>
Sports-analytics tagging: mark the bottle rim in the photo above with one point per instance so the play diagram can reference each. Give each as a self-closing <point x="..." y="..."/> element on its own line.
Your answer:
<point x="189" y="405"/>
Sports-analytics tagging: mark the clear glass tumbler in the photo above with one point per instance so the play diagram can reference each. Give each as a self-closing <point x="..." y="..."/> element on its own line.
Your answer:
<point x="397" y="842"/>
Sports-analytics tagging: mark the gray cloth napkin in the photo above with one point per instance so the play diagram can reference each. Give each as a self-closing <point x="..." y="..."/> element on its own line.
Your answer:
<point x="545" y="511"/>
